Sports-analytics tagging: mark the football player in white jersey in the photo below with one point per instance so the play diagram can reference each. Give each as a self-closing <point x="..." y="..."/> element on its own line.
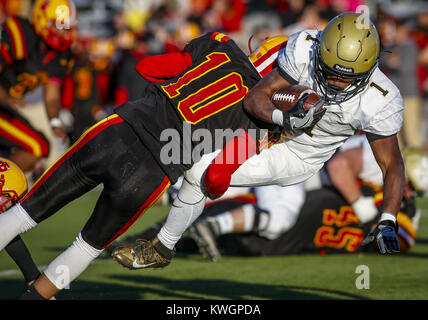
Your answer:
<point x="341" y="64"/>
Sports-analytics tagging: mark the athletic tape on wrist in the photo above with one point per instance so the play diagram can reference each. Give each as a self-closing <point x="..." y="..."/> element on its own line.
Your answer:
<point x="278" y="117"/>
<point x="388" y="216"/>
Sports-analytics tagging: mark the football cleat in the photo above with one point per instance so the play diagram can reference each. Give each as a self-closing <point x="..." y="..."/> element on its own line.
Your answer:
<point x="203" y="233"/>
<point x="144" y="254"/>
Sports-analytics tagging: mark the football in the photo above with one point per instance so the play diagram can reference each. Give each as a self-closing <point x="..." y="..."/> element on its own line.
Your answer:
<point x="285" y="98"/>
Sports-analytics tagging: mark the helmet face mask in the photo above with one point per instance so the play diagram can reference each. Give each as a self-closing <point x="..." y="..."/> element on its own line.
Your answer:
<point x="7" y="197"/>
<point x="59" y="40"/>
<point x="333" y="93"/>
<point x="13" y="184"/>
<point x="6" y="201"/>
<point x="345" y="51"/>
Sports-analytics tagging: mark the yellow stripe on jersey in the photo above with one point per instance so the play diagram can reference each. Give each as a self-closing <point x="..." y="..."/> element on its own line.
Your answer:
<point x="266" y="46"/>
<point x="17" y="39"/>
<point x="405" y="222"/>
<point x="21" y="135"/>
<point x="219" y="37"/>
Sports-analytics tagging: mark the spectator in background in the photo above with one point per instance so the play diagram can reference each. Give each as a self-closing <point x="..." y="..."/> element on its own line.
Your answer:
<point x="129" y="85"/>
<point x="263" y="20"/>
<point x="420" y="35"/>
<point x="293" y="13"/>
<point x="86" y="90"/>
<point x="330" y="8"/>
<point x="401" y="67"/>
<point x="310" y="19"/>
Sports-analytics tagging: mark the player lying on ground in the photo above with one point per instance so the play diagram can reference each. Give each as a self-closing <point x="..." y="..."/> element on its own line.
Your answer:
<point x="276" y="220"/>
<point x="339" y="63"/>
<point x="125" y="152"/>
<point x="326" y="222"/>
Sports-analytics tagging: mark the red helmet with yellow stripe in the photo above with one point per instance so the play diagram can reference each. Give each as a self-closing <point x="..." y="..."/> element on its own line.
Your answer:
<point x="13" y="184"/>
<point x="55" y="22"/>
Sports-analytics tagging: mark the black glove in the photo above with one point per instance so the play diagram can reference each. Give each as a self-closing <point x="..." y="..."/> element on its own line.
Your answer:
<point x="386" y="236"/>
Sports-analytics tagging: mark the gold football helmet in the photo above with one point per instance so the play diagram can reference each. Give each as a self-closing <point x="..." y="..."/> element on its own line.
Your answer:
<point x="347" y="49"/>
<point x="13" y="183"/>
<point x="55" y="22"/>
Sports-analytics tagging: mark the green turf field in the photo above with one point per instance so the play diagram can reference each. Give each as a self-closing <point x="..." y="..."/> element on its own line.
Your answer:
<point x="402" y="276"/>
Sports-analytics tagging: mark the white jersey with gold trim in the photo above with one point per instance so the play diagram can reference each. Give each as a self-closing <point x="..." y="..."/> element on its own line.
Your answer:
<point x="378" y="109"/>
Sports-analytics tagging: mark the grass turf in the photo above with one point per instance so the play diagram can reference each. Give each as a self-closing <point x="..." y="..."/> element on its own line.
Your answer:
<point x="401" y="276"/>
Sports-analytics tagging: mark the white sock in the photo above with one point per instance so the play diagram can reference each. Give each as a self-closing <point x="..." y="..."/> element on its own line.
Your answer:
<point x="225" y="222"/>
<point x="71" y="263"/>
<point x="14" y="222"/>
<point x="249" y="217"/>
<point x="188" y="206"/>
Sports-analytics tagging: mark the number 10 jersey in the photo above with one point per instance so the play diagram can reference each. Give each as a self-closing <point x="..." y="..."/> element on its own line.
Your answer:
<point x="207" y="95"/>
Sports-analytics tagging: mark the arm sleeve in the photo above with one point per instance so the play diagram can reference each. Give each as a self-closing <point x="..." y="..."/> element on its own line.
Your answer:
<point x="67" y="92"/>
<point x="162" y="67"/>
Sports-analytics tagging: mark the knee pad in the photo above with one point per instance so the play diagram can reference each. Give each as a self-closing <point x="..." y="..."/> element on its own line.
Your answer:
<point x="216" y="181"/>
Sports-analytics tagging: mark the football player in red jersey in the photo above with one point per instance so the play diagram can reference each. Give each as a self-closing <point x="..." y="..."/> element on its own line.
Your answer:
<point x="32" y="54"/>
<point x="125" y="153"/>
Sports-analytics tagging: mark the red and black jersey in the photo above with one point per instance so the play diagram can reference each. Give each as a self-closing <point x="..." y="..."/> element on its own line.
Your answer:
<point x="25" y="61"/>
<point x="208" y="94"/>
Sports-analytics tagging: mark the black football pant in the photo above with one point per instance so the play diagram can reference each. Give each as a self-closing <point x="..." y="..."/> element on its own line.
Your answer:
<point x="109" y="153"/>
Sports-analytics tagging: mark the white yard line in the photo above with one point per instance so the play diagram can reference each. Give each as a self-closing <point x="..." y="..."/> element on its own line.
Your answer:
<point x="12" y="272"/>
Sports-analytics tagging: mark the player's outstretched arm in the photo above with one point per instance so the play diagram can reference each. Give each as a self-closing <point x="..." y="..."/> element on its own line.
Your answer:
<point x="388" y="156"/>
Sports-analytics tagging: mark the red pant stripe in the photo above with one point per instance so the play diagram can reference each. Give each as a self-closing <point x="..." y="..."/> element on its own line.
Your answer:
<point x="147" y="204"/>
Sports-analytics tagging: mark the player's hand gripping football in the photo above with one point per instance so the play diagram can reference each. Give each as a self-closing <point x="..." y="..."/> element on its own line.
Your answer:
<point x="299" y="107"/>
<point x="386" y="236"/>
<point x="299" y="118"/>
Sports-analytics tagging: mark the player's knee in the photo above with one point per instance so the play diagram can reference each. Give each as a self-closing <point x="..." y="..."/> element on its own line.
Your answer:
<point x="216" y="181"/>
<point x="92" y="241"/>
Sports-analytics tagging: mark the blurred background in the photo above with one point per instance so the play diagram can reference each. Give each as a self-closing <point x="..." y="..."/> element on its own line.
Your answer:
<point x="113" y="35"/>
